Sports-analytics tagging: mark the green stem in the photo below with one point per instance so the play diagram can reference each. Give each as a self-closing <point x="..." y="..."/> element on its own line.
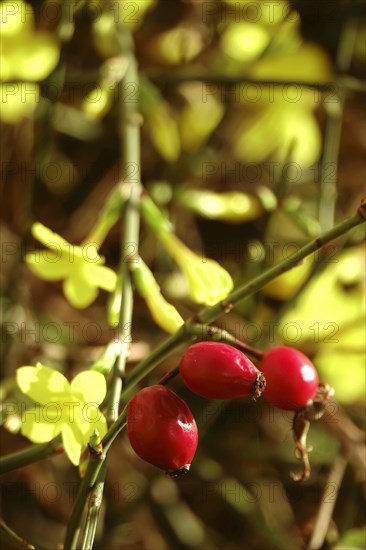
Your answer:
<point x="95" y="502"/>
<point x="343" y="82"/>
<point x="109" y="214"/>
<point x="333" y="129"/>
<point x="130" y="152"/>
<point x="217" y="334"/>
<point x="209" y="314"/>
<point x="85" y="488"/>
<point x="7" y="535"/>
<point x="30" y="455"/>
<point x="213" y="334"/>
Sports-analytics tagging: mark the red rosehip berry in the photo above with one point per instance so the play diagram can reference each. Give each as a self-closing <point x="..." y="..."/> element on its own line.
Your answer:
<point x="292" y="381"/>
<point x="162" y="430"/>
<point x="219" y="371"/>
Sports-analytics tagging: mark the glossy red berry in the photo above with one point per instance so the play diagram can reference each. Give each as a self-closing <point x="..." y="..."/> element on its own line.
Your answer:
<point x="292" y="380"/>
<point x="162" y="430"/>
<point x="219" y="371"/>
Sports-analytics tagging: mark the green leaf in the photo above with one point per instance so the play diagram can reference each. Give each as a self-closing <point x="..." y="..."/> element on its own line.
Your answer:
<point x="200" y="116"/>
<point x="34" y="58"/>
<point x="159" y="121"/>
<point x="163" y="313"/>
<point x="42" y="384"/>
<point x="89" y="386"/>
<point x="208" y="281"/>
<point x="244" y="41"/>
<point x="164" y="133"/>
<point x="231" y="207"/>
<point x="275" y="130"/>
<point x="16" y="17"/>
<point x="353" y="539"/>
<point x="175" y="46"/>
<point x="18" y="100"/>
<point x="308" y="63"/>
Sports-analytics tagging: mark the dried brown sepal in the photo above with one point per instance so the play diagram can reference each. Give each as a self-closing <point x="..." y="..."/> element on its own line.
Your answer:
<point x="179" y="472"/>
<point x="301" y="424"/>
<point x="259" y="386"/>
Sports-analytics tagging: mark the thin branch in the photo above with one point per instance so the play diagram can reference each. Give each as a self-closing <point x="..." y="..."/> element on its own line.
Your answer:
<point x="342" y="82"/>
<point x="29" y="455"/>
<point x="209" y="314"/>
<point x="130" y="153"/>
<point x="8" y="535"/>
<point x="332" y="139"/>
<point x="95" y="502"/>
<point x="327" y="505"/>
<point x="85" y="489"/>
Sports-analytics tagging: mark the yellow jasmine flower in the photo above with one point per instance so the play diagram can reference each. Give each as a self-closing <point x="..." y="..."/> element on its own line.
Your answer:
<point x="80" y="267"/>
<point x="69" y="409"/>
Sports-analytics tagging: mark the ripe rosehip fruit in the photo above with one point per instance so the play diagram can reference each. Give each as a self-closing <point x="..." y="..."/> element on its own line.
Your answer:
<point x="292" y="380"/>
<point x="219" y="371"/>
<point x="162" y="430"/>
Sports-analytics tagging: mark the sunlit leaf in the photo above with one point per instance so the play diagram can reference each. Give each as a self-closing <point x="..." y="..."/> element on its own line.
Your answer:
<point x="353" y="539"/>
<point x="98" y="102"/>
<point x="131" y="14"/>
<point x="328" y="316"/>
<point x="244" y="41"/>
<point x="18" y="100"/>
<point x="309" y="63"/>
<point x="164" y="314"/>
<point x="159" y="121"/>
<point x="231" y="207"/>
<point x="260" y="11"/>
<point x="287" y="284"/>
<point x="325" y="307"/>
<point x="277" y="130"/>
<point x="104" y="34"/>
<point x="199" y="117"/>
<point x="175" y="46"/>
<point x="34" y="59"/>
<point x="16" y="17"/>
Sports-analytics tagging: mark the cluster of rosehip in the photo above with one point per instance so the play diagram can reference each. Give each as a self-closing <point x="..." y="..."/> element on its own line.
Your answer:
<point x="162" y="430"/>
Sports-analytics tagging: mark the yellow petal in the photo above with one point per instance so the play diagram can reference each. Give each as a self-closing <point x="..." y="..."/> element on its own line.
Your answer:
<point x="49" y="265"/>
<point x="73" y="442"/>
<point x="42" y="384"/>
<point x="47" y="237"/>
<point x="89" y="386"/>
<point x="41" y="424"/>
<point x="102" y="276"/>
<point x="79" y="291"/>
